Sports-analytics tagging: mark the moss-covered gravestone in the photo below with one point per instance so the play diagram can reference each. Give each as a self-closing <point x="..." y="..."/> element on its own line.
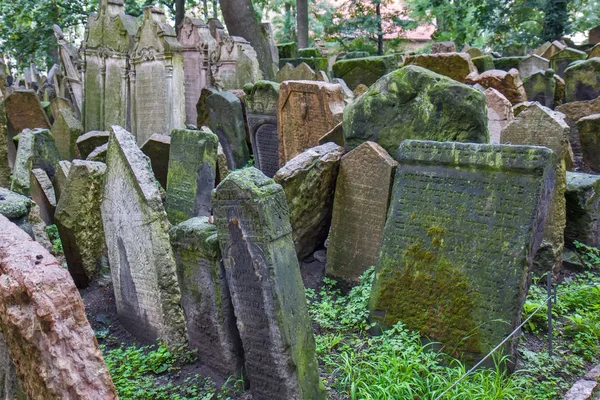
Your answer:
<point x="66" y="130"/>
<point x="364" y="70"/>
<point x="581" y="80"/>
<point x="79" y="221"/>
<point x="226" y="120"/>
<point x="261" y="107"/>
<point x="414" y="103"/>
<point x="453" y="65"/>
<point x="531" y="65"/>
<point x="302" y="72"/>
<point x="157" y="150"/>
<point x="583" y="209"/>
<point x="61" y="177"/>
<point x="89" y="141"/>
<point x="255" y="237"/>
<point x="560" y="61"/>
<point x="205" y="296"/>
<point x="463" y="225"/>
<point x="192" y="173"/>
<point x="141" y="261"/>
<point x="484" y="63"/>
<point x="202" y="109"/>
<point x="541" y="87"/>
<point x="589" y="136"/>
<point x="362" y="197"/>
<point x="42" y="193"/>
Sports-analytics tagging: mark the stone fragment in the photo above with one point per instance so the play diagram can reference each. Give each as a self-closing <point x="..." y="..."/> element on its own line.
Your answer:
<point x="236" y="65"/>
<point x="336" y="135"/>
<point x="192" y="173"/>
<point x="79" y="221"/>
<point x="44" y="324"/>
<point x="560" y="61"/>
<point x="263" y="275"/>
<point x="532" y="64"/>
<point x="541" y="87"/>
<point x="303" y="72"/>
<point x="453" y="65"/>
<point x="594" y="52"/>
<point x="517" y="108"/>
<point x="90" y="141"/>
<point x="464" y="220"/>
<point x="42" y="192"/>
<point x="583" y="209"/>
<point x="581" y="80"/>
<point x="309" y="184"/>
<point x="205" y="297"/>
<point x="14" y="206"/>
<point x="61" y="177"/>
<point x="500" y="113"/>
<point x="414" y="103"/>
<point x="443" y="47"/>
<point x="573" y="112"/>
<point x="202" y="109"/>
<point x="508" y="83"/>
<point x="306" y="111"/>
<point x="543" y="47"/>
<point x="66" y="130"/>
<point x="136" y="231"/>
<point x="589" y="137"/>
<point x="36" y="150"/>
<point x="157" y="150"/>
<point x="226" y="120"/>
<point x="362" y="197"/>
<point x="484" y="63"/>
<point x="364" y="71"/>
<point x="540" y="126"/>
<point x="474" y="52"/>
<point x="99" y="154"/>
<point x="360" y="89"/>
<point x="581" y="390"/>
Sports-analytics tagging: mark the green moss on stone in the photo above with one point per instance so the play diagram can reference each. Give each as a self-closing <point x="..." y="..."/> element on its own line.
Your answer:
<point x="483" y="63"/>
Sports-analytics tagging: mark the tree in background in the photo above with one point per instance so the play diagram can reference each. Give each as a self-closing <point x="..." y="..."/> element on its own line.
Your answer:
<point x="556" y="19"/>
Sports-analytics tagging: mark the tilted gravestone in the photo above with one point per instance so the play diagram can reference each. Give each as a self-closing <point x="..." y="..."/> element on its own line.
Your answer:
<point x="158" y="98"/>
<point x="61" y="177"/>
<point x="66" y="130"/>
<point x="541" y="87"/>
<point x="99" y="154"/>
<point x="192" y="173"/>
<point x="362" y="197"/>
<point x="79" y="221"/>
<point x="552" y="49"/>
<point x="500" y="113"/>
<point x="255" y="237"/>
<point x="234" y="63"/>
<point x="306" y="111"/>
<point x="302" y="72"/>
<point x="560" y="61"/>
<point x="508" y="83"/>
<point x="205" y="297"/>
<point x="144" y="277"/>
<point x="157" y="150"/>
<point x="36" y="150"/>
<point x="463" y="224"/>
<point x="261" y="108"/>
<point x="42" y="193"/>
<point x="581" y="80"/>
<point x="106" y="72"/>
<point x="226" y="120"/>
<point x="309" y="184"/>
<point x="88" y="142"/>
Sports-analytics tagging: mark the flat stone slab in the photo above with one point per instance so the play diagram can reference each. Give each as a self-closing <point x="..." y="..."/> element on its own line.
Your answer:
<point x="581" y="390"/>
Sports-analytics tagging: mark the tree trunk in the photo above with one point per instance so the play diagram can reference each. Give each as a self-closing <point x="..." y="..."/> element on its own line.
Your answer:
<point x="241" y="20"/>
<point x="179" y="14"/>
<point x="556" y="19"/>
<point x="205" y="9"/>
<point x="216" y="9"/>
<point x="302" y="23"/>
<point x="379" y="29"/>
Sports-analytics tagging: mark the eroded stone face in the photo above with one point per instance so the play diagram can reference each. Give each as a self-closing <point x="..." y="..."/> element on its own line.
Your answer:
<point x="66" y="130"/>
<point x="573" y="112"/>
<point x="589" y="136"/>
<point x="464" y="220"/>
<point x="453" y="65"/>
<point x="500" y="113"/>
<point x="581" y="80"/>
<point x="157" y="150"/>
<point x="541" y="87"/>
<point x="506" y="82"/>
<point x="583" y="208"/>
<point x="89" y="141"/>
<point x="364" y="71"/>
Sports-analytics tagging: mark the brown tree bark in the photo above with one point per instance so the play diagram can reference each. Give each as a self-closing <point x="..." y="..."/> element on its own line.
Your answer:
<point x="302" y="23"/>
<point x="179" y="13"/>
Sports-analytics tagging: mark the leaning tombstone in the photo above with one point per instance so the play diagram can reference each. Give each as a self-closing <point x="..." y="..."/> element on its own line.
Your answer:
<point x="143" y="275"/>
<point x="192" y="173"/>
<point x="455" y="257"/>
<point x="364" y="71"/>
<point x="508" y="83"/>
<point x="201" y="108"/>
<point x="362" y="197"/>
<point x="554" y="48"/>
<point x="79" y="221"/>
<point x="336" y="135"/>
<point x="88" y="142"/>
<point x="581" y="80"/>
<point x="57" y="104"/>
<point x="205" y="296"/>
<point x="263" y="275"/>
<point x="500" y="113"/>
<point x="561" y="60"/>
<point x="42" y="193"/>
<point x="222" y="170"/>
<point x="66" y="130"/>
<point x="541" y="87"/>
<point x="157" y="150"/>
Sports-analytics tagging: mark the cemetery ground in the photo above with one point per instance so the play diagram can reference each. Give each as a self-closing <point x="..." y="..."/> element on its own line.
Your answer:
<point x="357" y="365"/>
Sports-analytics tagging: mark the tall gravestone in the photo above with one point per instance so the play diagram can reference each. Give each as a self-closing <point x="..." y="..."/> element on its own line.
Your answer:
<point x="306" y="111"/>
<point x="158" y="94"/>
<point x="261" y="113"/>
<point x="581" y="80"/>
<point x="66" y="130"/>
<point x="192" y="173"/>
<point x="36" y="150"/>
<point x="141" y="260"/>
<point x="463" y="225"/>
<point x="89" y="141"/>
<point x="362" y="197"/>
<point x="255" y="237"/>
<point x="205" y="295"/>
<point x="106" y="70"/>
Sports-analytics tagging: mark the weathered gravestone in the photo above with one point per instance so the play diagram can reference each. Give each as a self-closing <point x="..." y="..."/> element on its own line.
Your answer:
<point x="531" y="65"/>
<point x="364" y="70"/>
<point x="443" y="47"/>
<point x="554" y="48"/>
<point x="157" y="150"/>
<point x="44" y="324"/>
<point x="4" y="164"/>
<point x="261" y="107"/>
<point x="484" y="63"/>
<point x="540" y="126"/>
<point x="88" y="142"/>
<point x="57" y="104"/>
<point x="414" y="103"/>
<point x="202" y="109"/>
<point x="302" y="72"/>
<point x="61" y="177"/>
<point x="235" y="63"/>
<point x="99" y="154"/>
<point x="583" y="209"/>
<point x="255" y="237"/>
<point x="506" y="82"/>
<point x="336" y="135"/>
<point x="541" y="87"/>
<point x="362" y="197"/>
<point x="198" y="47"/>
<point x="500" y="113"/>
<point x="306" y="111"/>
<point x="158" y="98"/>
<point x="108" y="41"/>
<point x="192" y="173"/>
<point x="226" y="120"/>
<point x="36" y="150"/>
<point x="573" y="112"/>
<point x="463" y="225"/>
<point x="80" y="223"/>
<point x="453" y="65"/>
<point x="309" y="184"/>
<point x="42" y="193"/>
<point x="222" y="170"/>
<point x="561" y="60"/>
<point x="144" y="276"/>
<point x="66" y="130"/>
<point x="589" y="137"/>
<point x="205" y="297"/>
<point x="581" y="80"/>
<point x="71" y="85"/>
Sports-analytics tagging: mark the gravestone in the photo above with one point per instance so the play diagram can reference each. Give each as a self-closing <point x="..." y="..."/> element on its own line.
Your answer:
<point x="484" y="63"/>
<point x="531" y="65"/>
<point x="364" y="71"/>
<point x="4" y="164"/>
<point x="302" y="72"/>
<point x="463" y="224"/>
<point x="500" y="113"/>
<point x="198" y="48"/>
<point x="157" y="150"/>
<point x="541" y="87"/>
<point x="443" y="47"/>
<point x="506" y="82"/>
<point x="222" y="170"/>
<point x="308" y="181"/>
<point x="79" y="221"/>
<point x="560" y="61"/>
<point x="573" y="112"/>
<point x="453" y="65"/>
<point x="205" y="297"/>
<point x="226" y="120"/>
<point x="202" y="109"/>
<point x="99" y="154"/>
<point x="158" y="98"/>
<point x="540" y="126"/>
<point x="554" y="48"/>
<point x="336" y="135"/>
<point x="106" y="69"/>
<point x="58" y="104"/>
<point x="362" y="197"/>
<point x="61" y="177"/>
<point x="235" y="63"/>
<point x="192" y="173"/>
<point x="414" y="103"/>
<point x="581" y="80"/>
<point x="508" y="63"/>
<point x="66" y="130"/>
<point x="306" y="111"/>
<point x="261" y="108"/>
<point x="42" y="193"/>
<point x="589" y="137"/>
<point x="143" y="276"/>
<point x="583" y="209"/>
<point x="71" y="64"/>
<point x="263" y="275"/>
<point x="36" y="150"/>
<point x="88" y="142"/>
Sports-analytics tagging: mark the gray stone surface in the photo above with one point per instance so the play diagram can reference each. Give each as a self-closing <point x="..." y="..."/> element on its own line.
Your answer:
<point x="541" y="87"/>
<point x="589" y="137"/>
<point x="61" y="177"/>
<point x="65" y="130"/>
<point x="99" y="154"/>
<point x="532" y="64"/>
<point x="42" y="193"/>
<point x="583" y="209"/>
<point x="500" y="113"/>
<point x="89" y="141"/>
<point x="157" y="150"/>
